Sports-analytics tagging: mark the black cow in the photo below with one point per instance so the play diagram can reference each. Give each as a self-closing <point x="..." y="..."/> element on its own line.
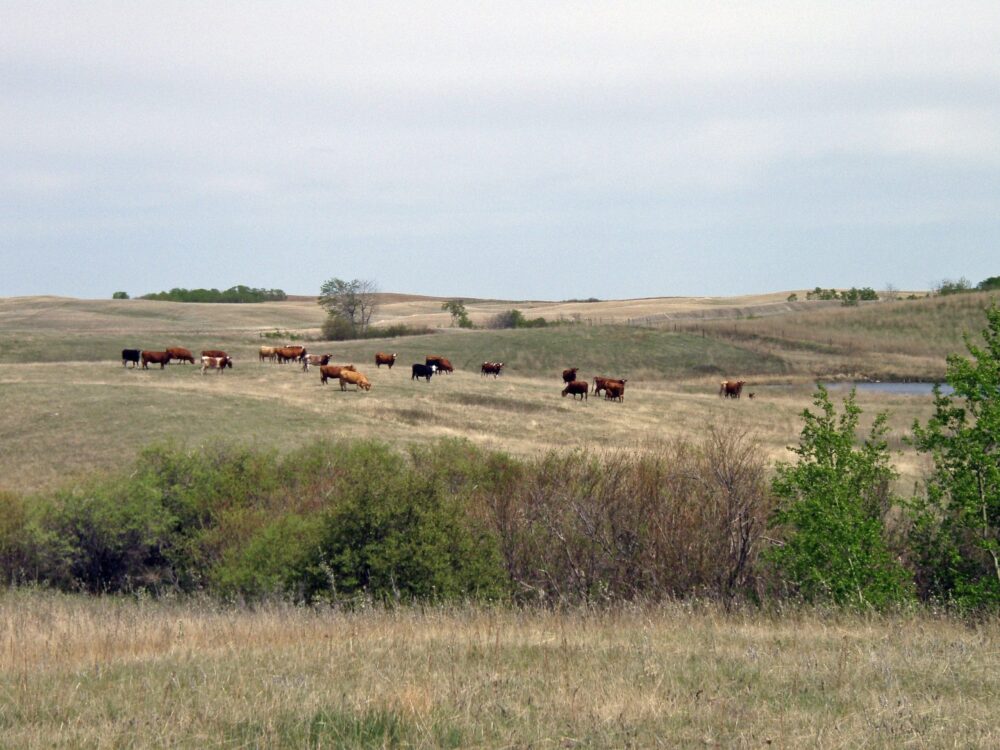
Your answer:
<point x="131" y="355"/>
<point x="423" y="371"/>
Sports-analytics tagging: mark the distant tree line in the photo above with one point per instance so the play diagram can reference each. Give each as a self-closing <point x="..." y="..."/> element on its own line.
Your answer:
<point x="949" y="286"/>
<point x="238" y="294"/>
<point x="848" y="298"/>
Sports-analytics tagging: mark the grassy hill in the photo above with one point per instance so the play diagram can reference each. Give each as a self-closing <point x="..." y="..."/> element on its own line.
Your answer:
<point x="71" y="408"/>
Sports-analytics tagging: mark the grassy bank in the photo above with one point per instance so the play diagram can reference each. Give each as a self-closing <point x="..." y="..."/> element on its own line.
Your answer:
<point x="107" y="672"/>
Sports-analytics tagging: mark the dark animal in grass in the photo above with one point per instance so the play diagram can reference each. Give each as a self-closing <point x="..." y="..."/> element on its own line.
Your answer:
<point x="578" y="388"/>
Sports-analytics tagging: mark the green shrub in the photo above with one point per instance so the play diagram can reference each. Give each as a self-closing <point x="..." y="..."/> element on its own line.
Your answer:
<point x="830" y="514"/>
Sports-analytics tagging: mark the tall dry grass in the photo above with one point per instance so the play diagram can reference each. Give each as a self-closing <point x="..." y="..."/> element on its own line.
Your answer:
<point x="109" y="672"/>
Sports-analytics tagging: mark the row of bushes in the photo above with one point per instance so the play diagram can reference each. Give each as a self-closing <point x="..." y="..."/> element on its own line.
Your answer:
<point x="338" y="520"/>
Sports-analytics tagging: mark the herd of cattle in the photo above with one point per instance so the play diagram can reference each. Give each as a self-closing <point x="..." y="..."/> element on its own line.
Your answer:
<point x="216" y="359"/>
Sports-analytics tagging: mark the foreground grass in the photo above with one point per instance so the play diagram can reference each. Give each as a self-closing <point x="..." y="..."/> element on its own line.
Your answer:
<point x="115" y="672"/>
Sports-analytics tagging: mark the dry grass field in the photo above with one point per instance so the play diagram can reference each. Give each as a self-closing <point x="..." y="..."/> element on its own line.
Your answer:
<point x="122" y="673"/>
<point x="71" y="408"/>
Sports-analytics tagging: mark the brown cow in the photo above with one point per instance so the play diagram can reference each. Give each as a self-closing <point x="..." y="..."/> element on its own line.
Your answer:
<point x="578" y="388"/>
<point x="214" y="353"/>
<point x="160" y="358"/>
<point x="614" y="392"/>
<point x="332" y="372"/>
<point x="181" y="354"/>
<point x="381" y="358"/>
<point x="570" y="375"/>
<point x="731" y="388"/>
<point x="442" y="363"/>
<point x="492" y="368"/>
<point x="212" y="363"/>
<point x="315" y="359"/>
<point x="601" y="384"/>
<point x="289" y="353"/>
<point x="354" y="378"/>
<point x="268" y="353"/>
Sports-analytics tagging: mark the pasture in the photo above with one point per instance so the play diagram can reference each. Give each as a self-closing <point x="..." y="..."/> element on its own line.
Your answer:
<point x="104" y="672"/>
<point x="72" y="408"/>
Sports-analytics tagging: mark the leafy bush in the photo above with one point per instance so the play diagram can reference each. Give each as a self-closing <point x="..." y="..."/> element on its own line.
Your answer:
<point x="515" y="319"/>
<point x="120" y="295"/>
<point x="956" y="530"/>
<point x="830" y="513"/>
<point x="336" y="328"/>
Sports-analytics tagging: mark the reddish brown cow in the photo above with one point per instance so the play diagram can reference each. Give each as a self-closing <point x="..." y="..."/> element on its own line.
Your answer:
<point x="570" y="375"/>
<point x="381" y="358"/>
<point x="181" y="354"/>
<point x="492" y="368"/>
<point x="327" y="372"/>
<point x="601" y="384"/>
<point x="315" y="359"/>
<point x="731" y="388"/>
<point x="289" y="353"/>
<point x="214" y="353"/>
<point x="157" y="358"/>
<point x="578" y="388"/>
<point x="614" y="392"/>
<point x="442" y="363"/>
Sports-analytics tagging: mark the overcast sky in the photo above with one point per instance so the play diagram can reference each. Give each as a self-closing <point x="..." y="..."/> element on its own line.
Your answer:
<point x="537" y="150"/>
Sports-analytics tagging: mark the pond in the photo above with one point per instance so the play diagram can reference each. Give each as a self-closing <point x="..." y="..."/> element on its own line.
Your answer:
<point x="897" y="389"/>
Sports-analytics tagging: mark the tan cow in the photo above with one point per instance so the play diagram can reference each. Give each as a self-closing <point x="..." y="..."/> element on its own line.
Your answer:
<point x="354" y="378"/>
<point x="332" y="372"/>
<point x="268" y="353"/>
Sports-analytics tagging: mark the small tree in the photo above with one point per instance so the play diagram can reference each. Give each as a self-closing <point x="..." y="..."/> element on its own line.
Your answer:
<point x="458" y="312"/>
<point x="956" y="530"/>
<point x="353" y="302"/>
<point x="830" y="512"/>
<point x="120" y="295"/>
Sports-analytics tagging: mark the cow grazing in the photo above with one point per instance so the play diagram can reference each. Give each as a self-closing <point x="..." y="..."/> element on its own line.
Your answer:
<point x="731" y="388"/>
<point x="289" y="353"/>
<point x="570" y="375"/>
<point x="332" y="372"/>
<point x="131" y="355"/>
<point x="492" y="368"/>
<point x="441" y="363"/>
<point x="381" y="358"/>
<point x="180" y="354"/>
<point x="614" y="392"/>
<point x="578" y="388"/>
<point x="422" y="371"/>
<point x="156" y="358"/>
<point x="601" y="384"/>
<point x="354" y="378"/>
<point x="214" y="353"/>
<point x="315" y="359"/>
<point x="268" y="353"/>
<point x="213" y="363"/>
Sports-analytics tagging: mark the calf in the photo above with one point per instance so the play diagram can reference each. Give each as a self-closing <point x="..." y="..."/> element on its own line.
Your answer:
<point x="181" y="354"/>
<point x="157" y="358"/>
<point x="327" y="372"/>
<point x="578" y="388"/>
<point x="381" y="358"/>
<point x="614" y="392"/>
<point x="354" y="378"/>
<point x="213" y="363"/>
<point x="131" y="355"/>
<point x="423" y="371"/>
